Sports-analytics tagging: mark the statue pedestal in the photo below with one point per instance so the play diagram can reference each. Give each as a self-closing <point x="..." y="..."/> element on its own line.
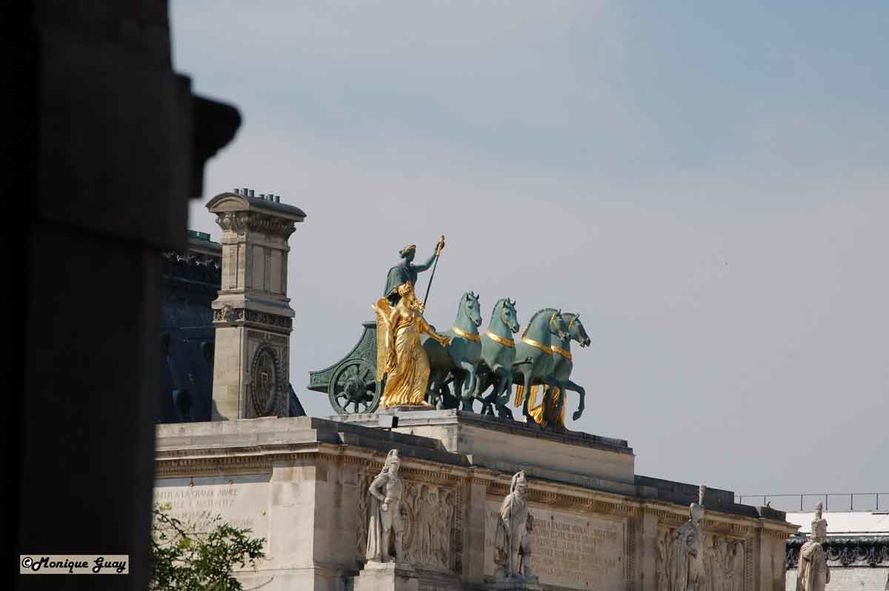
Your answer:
<point x="517" y="584"/>
<point x="386" y="576"/>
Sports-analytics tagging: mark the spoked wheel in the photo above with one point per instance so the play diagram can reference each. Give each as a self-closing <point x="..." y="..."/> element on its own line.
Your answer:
<point x="353" y="388"/>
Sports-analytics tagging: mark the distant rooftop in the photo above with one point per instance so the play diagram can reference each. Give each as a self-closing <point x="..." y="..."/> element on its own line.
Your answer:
<point x="844" y="523"/>
<point x="201" y="236"/>
<point x="806" y="502"/>
<point x="268" y="202"/>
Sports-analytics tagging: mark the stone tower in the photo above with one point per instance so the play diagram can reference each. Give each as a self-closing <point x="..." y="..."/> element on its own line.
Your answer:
<point x="252" y="314"/>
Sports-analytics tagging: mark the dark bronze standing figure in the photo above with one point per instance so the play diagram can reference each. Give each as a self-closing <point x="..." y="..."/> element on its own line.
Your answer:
<point x="406" y="270"/>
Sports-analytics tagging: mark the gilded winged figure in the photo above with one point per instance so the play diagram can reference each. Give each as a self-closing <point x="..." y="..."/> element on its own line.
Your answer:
<point x="400" y="354"/>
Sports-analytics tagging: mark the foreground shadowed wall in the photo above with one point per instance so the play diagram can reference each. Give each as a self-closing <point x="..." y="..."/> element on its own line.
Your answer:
<point x="102" y="145"/>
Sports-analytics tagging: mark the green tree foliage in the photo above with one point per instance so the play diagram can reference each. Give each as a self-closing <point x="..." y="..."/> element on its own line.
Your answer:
<point x="185" y="559"/>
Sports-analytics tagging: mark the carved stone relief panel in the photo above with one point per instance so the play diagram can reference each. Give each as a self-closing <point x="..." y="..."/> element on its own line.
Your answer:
<point x="430" y="523"/>
<point x="430" y="511"/>
<point x="724" y="562"/>
<point x="569" y="549"/>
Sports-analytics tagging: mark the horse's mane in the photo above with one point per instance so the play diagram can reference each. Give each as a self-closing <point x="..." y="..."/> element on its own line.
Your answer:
<point x="497" y="304"/>
<point x="534" y="317"/>
<point x="538" y="313"/>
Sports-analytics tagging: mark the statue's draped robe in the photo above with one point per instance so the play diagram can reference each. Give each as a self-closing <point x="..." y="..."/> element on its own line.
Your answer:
<point x="511" y="529"/>
<point x="401" y="273"/>
<point x="544" y="412"/>
<point x="812" y="573"/>
<point x="378" y="542"/>
<point x="687" y="560"/>
<point x="375" y="541"/>
<point x="406" y="384"/>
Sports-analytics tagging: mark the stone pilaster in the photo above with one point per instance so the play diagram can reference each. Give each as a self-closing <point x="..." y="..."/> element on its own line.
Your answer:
<point x="252" y="313"/>
<point x="646" y="575"/>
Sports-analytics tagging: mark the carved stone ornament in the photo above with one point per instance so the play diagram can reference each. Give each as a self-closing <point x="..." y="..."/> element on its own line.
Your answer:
<point x="843" y="551"/>
<point x="265" y="381"/>
<point x="241" y="222"/>
<point x="224" y="314"/>
<point x="267" y="319"/>
<point x="431" y="510"/>
<point x="228" y="314"/>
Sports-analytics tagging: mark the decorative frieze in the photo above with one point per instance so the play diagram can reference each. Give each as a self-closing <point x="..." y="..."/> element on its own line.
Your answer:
<point x="843" y="551"/>
<point x="227" y="314"/>
<point x="242" y="222"/>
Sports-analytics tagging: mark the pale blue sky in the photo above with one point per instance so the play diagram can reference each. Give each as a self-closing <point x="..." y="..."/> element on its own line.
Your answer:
<point x="706" y="182"/>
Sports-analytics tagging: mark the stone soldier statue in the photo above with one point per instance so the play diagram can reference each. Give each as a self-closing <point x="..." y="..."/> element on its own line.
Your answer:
<point x="406" y="270"/>
<point x="687" y="561"/>
<point x="385" y="520"/>
<point x="512" y="543"/>
<point x="813" y="574"/>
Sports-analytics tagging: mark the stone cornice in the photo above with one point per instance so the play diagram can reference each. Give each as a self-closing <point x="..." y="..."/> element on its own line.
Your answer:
<point x="671" y="515"/>
<point x="172" y="463"/>
<point x="240" y="222"/>
<point x="250" y="457"/>
<point x="231" y="315"/>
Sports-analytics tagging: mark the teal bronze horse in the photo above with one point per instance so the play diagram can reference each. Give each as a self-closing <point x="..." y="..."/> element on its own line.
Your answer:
<point x="534" y="354"/>
<point x="498" y="357"/>
<point x="461" y="357"/>
<point x="563" y="363"/>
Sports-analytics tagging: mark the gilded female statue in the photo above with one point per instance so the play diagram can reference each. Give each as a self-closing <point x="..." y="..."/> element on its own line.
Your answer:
<point x="400" y="353"/>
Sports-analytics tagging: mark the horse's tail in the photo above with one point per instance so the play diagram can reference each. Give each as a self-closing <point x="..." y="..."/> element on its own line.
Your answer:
<point x="520" y="391"/>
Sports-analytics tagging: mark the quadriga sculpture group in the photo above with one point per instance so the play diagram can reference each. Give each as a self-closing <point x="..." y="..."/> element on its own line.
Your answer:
<point x="417" y="366"/>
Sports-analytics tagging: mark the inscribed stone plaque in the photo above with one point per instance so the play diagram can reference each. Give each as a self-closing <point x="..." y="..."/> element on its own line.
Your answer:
<point x="571" y="550"/>
<point x="241" y="501"/>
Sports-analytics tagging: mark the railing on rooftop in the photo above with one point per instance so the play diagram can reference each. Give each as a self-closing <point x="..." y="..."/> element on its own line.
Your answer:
<point x="804" y="502"/>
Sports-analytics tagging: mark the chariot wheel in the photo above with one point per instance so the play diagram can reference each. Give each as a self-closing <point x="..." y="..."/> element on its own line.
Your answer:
<point x="353" y="388"/>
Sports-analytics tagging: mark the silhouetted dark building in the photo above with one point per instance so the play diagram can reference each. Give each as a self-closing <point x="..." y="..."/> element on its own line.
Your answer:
<point x="191" y="282"/>
<point x="102" y="146"/>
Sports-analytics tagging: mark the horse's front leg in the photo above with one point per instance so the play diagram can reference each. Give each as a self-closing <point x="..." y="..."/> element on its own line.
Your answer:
<point x="459" y="380"/>
<point x="581" y="393"/>
<point x="467" y="392"/>
<point x="487" y="400"/>
<point x="503" y="391"/>
<point x="432" y="396"/>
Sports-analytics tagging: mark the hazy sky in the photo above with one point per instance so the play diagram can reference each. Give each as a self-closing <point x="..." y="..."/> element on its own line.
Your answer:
<point x="706" y="182"/>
